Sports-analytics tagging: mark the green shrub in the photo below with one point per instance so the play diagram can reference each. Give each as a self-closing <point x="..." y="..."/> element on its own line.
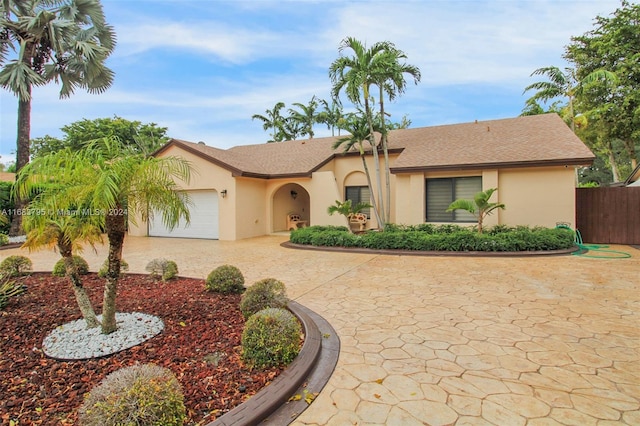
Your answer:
<point x="7" y="204"/>
<point x="163" y="269"/>
<point x="141" y="395"/>
<point x="4" y="239"/>
<point x="8" y="289"/>
<point x="59" y="270"/>
<point x="266" y="293"/>
<point x="14" y="266"/>
<point x="225" y="279"/>
<point x="429" y="237"/>
<point x="102" y="273"/>
<point x="271" y="337"/>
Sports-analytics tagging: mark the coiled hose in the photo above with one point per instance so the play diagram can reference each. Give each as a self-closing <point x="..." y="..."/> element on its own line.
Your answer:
<point x="600" y="249"/>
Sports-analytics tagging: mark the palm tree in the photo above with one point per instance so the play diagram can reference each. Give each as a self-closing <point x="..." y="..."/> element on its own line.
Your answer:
<point x="331" y="115"/>
<point x="115" y="183"/>
<point x="357" y="126"/>
<point x="61" y="221"/>
<point x="346" y="209"/>
<point x="355" y="75"/>
<point x="65" y="41"/>
<point x="273" y="120"/>
<point x="306" y="117"/>
<point x="378" y="66"/>
<point x="480" y="207"/>
<point x="390" y="79"/>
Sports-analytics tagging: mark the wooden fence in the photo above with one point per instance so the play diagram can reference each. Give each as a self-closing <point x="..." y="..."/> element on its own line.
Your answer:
<point x="608" y="215"/>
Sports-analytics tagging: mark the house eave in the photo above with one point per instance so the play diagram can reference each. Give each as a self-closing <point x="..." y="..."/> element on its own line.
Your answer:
<point x="503" y="165"/>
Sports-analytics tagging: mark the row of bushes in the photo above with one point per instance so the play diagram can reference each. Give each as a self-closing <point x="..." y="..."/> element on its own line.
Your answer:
<point x="429" y="237"/>
<point x="151" y="395"/>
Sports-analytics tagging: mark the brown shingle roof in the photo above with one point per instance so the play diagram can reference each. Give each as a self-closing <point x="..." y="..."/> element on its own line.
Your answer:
<point x="516" y="142"/>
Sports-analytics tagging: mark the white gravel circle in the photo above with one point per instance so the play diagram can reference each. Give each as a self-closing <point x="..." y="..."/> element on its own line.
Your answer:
<point x="74" y="341"/>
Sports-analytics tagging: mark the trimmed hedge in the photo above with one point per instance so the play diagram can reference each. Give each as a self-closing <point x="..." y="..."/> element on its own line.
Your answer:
<point x="428" y="237"/>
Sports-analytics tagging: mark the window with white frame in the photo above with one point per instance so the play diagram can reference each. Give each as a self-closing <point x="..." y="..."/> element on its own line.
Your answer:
<point x="358" y="194"/>
<point x="443" y="191"/>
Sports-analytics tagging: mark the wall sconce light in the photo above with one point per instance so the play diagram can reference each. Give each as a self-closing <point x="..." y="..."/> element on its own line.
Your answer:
<point x="294" y="194"/>
<point x="223" y="193"/>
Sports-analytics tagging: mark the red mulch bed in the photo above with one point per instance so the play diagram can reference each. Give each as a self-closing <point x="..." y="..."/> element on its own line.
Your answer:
<point x="199" y="326"/>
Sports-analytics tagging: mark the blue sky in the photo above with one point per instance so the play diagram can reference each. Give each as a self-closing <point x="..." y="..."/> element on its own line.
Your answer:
<point x="202" y="68"/>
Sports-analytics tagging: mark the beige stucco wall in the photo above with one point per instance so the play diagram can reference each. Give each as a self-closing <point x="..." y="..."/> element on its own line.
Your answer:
<point x="255" y="207"/>
<point x="204" y="175"/>
<point x="538" y="197"/>
<point x="532" y="196"/>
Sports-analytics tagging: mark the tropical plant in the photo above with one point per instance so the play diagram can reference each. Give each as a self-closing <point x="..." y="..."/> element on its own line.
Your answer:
<point x="8" y="289"/>
<point x="104" y="269"/>
<point x="331" y="115"/>
<point x="273" y="120"/>
<point x="612" y="45"/>
<point x="65" y="41"/>
<point x="306" y="117"/>
<point x="480" y="207"/>
<point x="378" y="66"/>
<point x="346" y="209"/>
<point x="101" y="180"/>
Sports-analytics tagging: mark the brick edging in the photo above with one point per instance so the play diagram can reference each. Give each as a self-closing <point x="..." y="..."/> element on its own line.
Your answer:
<point x="273" y="397"/>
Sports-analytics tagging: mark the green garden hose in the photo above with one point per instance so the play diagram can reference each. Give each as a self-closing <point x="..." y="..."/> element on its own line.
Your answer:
<point x="599" y="248"/>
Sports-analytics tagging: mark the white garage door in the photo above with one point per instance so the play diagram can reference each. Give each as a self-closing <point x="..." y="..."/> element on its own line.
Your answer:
<point x="204" y="219"/>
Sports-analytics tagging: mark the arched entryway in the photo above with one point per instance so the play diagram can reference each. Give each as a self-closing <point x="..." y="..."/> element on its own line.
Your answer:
<point x="290" y="198"/>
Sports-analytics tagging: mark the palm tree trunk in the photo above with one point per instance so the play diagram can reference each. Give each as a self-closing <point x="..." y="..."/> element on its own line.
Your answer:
<point x="376" y="158"/>
<point x="22" y="156"/>
<point x="84" y="303"/>
<point x="368" y="175"/>
<point x="115" y="228"/>
<point x="385" y="150"/>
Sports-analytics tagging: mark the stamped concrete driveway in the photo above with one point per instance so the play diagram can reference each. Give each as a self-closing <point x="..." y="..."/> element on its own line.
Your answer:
<point x="449" y="340"/>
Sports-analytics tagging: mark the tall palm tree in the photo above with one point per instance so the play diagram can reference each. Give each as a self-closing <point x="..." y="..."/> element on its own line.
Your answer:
<point x="115" y="183"/>
<point x="273" y="120"/>
<point x="306" y="116"/>
<point x="390" y="79"/>
<point x="357" y="125"/>
<point x="66" y="41"/>
<point x="355" y="75"/>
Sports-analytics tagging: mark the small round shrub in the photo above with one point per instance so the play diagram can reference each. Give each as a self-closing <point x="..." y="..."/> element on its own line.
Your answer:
<point x="59" y="270"/>
<point x="138" y="395"/>
<point x="4" y="239"/>
<point x="14" y="266"/>
<point x="271" y="337"/>
<point x="163" y="269"/>
<point x="267" y="293"/>
<point x="102" y="273"/>
<point x="225" y="279"/>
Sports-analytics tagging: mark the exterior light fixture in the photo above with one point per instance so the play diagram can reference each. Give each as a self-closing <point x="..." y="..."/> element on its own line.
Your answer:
<point x="294" y="194"/>
<point x="223" y="193"/>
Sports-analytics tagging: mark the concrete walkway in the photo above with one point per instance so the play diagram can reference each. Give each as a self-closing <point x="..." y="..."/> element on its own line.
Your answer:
<point x="448" y="340"/>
